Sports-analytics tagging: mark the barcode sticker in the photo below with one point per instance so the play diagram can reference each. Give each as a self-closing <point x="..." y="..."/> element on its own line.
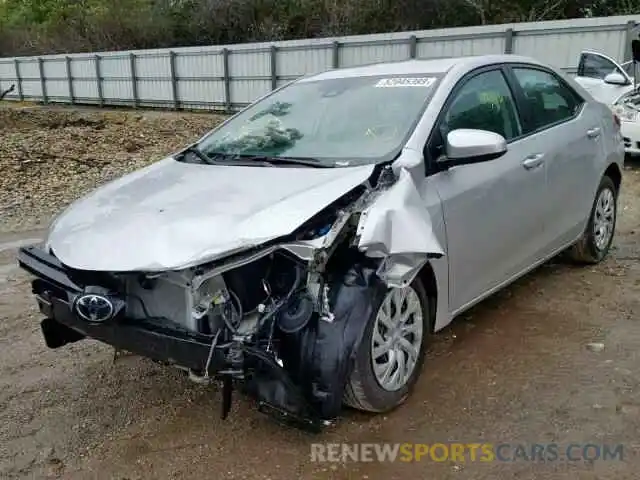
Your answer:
<point x="424" y="82"/>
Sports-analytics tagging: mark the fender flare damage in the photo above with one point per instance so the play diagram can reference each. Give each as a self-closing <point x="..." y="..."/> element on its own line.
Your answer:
<point x="397" y="229"/>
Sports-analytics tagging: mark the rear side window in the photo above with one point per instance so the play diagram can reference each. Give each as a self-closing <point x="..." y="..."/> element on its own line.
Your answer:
<point x="547" y="99"/>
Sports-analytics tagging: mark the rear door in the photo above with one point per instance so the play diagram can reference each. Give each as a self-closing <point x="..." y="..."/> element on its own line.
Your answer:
<point x="569" y="132"/>
<point x="593" y="67"/>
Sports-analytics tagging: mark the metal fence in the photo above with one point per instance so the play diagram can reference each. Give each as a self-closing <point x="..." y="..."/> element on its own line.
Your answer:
<point x="229" y="77"/>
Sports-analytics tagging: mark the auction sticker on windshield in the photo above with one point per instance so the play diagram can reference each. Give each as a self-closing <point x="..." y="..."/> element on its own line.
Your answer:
<point x="406" y="82"/>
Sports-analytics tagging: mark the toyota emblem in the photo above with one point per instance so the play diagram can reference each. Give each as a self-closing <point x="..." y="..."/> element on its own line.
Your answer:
<point x="94" y="308"/>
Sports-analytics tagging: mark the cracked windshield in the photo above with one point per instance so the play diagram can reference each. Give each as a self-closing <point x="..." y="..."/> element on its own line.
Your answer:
<point x="334" y="122"/>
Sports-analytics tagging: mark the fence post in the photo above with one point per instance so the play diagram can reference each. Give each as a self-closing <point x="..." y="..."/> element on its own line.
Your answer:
<point x="96" y="61"/>
<point x="16" y="65"/>
<point x="174" y="79"/>
<point x="508" y="40"/>
<point x="274" y="67"/>
<point x="67" y="63"/>
<point x="43" y="80"/>
<point x="628" y="53"/>
<point x="413" y="46"/>
<point x="134" y="79"/>
<point x="227" y="80"/>
<point x="335" y="61"/>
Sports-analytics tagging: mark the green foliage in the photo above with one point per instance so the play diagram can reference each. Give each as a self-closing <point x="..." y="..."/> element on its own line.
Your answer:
<point x="30" y="27"/>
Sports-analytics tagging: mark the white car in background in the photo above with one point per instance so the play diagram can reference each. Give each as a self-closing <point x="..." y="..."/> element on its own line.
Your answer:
<point x="613" y="83"/>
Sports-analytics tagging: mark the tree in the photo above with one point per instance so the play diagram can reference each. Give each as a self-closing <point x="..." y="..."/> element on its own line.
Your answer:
<point x="57" y="26"/>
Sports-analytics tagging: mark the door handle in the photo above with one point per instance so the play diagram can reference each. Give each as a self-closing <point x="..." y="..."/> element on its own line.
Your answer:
<point x="593" y="133"/>
<point x="533" y="161"/>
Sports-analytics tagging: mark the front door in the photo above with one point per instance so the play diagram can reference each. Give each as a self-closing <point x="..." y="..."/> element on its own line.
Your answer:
<point x="592" y="70"/>
<point x="493" y="211"/>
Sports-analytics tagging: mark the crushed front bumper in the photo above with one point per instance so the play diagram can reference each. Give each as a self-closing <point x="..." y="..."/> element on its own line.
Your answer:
<point x="54" y="292"/>
<point x="303" y="387"/>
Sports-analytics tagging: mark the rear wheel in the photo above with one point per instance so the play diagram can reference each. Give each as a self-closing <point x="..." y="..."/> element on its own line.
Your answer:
<point x="390" y="357"/>
<point x="596" y="241"/>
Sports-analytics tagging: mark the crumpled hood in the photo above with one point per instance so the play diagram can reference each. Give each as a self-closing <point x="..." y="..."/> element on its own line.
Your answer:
<point x="172" y="215"/>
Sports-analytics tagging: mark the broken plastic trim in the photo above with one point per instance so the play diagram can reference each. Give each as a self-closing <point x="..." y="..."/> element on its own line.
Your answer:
<point x="397" y="229"/>
<point x="320" y="358"/>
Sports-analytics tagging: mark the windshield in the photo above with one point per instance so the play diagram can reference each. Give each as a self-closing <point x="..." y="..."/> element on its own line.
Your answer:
<point x="335" y="122"/>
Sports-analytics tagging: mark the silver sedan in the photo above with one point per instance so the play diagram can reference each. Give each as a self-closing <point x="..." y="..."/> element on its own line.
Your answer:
<point x="309" y="246"/>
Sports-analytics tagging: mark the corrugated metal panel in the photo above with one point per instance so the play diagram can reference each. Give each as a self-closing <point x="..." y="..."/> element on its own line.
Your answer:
<point x="362" y="54"/>
<point x="205" y="64"/>
<point x="296" y="63"/>
<point x="116" y="79"/>
<point x="154" y="90"/>
<point x="31" y="86"/>
<point x="114" y="67"/>
<point x="243" y="64"/>
<point x="83" y="67"/>
<point x="54" y="68"/>
<point x="83" y="72"/>
<point x="461" y="47"/>
<point x="201" y="91"/>
<point x="203" y="81"/>
<point x="56" y="84"/>
<point x="85" y="90"/>
<point x="117" y="90"/>
<point x="153" y="66"/>
<point x="154" y="81"/>
<point x="245" y="91"/>
<point x="562" y="49"/>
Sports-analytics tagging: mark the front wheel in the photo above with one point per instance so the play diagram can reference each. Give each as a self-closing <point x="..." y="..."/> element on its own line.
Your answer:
<point x="596" y="241"/>
<point x="390" y="357"/>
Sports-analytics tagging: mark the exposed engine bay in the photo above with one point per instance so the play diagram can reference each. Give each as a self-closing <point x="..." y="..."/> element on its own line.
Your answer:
<point x="261" y="316"/>
<point x="632" y="101"/>
<point x="281" y="321"/>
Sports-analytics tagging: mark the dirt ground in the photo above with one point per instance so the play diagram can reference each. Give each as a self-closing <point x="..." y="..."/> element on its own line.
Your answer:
<point x="521" y="368"/>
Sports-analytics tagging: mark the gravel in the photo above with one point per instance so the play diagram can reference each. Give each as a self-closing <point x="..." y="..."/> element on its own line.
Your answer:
<point x="51" y="156"/>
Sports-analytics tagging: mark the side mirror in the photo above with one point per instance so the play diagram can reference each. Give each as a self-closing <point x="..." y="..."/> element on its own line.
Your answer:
<point x="635" y="49"/>
<point x="466" y="146"/>
<point x="616" y="79"/>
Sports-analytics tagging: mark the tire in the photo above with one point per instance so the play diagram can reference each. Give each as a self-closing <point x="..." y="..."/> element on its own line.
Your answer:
<point x="363" y="390"/>
<point x="589" y="250"/>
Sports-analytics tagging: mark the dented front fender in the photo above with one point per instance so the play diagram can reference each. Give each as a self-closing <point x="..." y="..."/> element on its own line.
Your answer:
<point x="396" y="227"/>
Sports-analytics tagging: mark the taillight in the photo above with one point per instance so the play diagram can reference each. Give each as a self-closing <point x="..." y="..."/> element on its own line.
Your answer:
<point x="616" y="120"/>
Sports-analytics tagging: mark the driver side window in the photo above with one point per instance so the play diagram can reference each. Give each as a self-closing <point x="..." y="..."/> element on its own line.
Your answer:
<point x="484" y="102"/>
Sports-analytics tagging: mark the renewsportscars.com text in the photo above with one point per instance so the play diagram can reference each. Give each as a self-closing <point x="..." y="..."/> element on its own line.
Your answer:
<point x="465" y="452"/>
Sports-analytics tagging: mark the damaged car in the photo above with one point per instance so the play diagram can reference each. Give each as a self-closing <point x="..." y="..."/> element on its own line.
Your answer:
<point x="304" y="251"/>
<point x="614" y="84"/>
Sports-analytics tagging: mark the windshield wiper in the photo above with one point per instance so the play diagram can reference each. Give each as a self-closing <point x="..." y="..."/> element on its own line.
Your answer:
<point x="247" y="159"/>
<point x="307" y="161"/>
<point x="193" y="150"/>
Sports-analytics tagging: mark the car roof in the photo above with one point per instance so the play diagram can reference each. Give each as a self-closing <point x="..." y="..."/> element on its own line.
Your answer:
<point x="436" y="66"/>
